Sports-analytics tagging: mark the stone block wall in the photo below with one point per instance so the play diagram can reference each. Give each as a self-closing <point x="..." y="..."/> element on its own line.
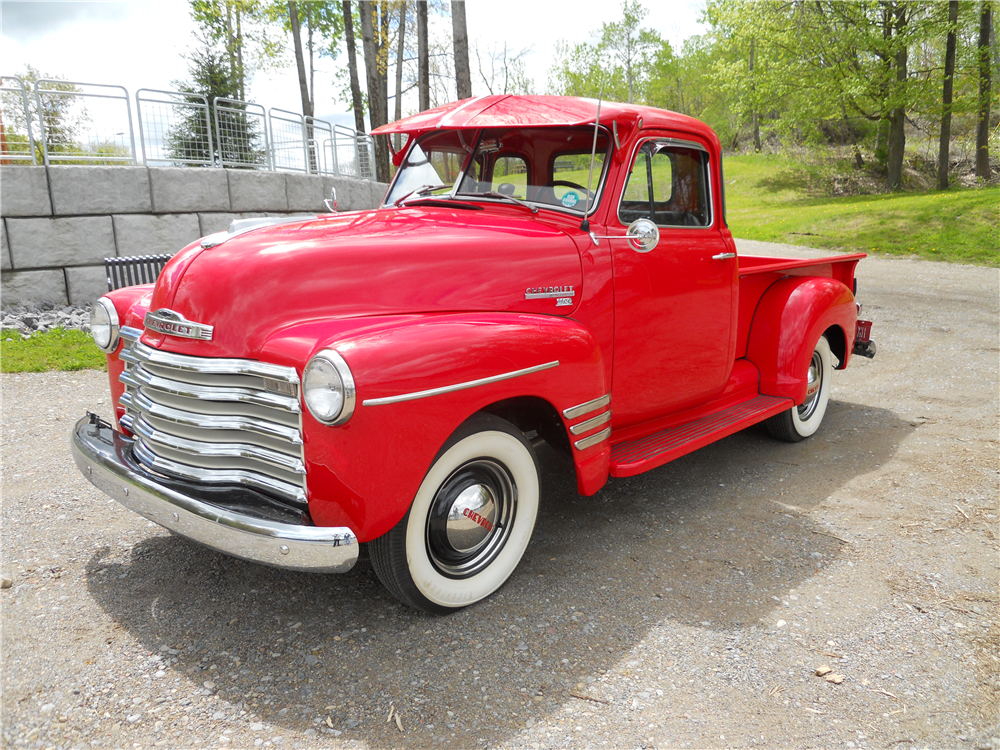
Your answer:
<point x="59" y="223"/>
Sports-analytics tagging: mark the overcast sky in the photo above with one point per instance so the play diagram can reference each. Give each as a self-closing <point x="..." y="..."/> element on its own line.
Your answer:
<point x="141" y="44"/>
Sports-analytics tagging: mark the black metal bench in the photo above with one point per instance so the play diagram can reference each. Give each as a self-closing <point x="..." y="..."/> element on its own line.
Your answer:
<point x="131" y="271"/>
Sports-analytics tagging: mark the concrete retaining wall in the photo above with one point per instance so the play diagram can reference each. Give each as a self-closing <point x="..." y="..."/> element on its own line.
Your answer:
<point x="61" y="222"/>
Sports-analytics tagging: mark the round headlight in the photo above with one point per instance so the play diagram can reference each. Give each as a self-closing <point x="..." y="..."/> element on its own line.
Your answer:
<point x="104" y="324"/>
<point x="328" y="388"/>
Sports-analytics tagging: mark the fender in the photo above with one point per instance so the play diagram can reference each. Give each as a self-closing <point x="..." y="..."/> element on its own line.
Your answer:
<point x="791" y="316"/>
<point x="131" y="303"/>
<point x="399" y="428"/>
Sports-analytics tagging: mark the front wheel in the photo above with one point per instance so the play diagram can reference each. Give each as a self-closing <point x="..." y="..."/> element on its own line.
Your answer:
<point x="801" y="421"/>
<point x="469" y="523"/>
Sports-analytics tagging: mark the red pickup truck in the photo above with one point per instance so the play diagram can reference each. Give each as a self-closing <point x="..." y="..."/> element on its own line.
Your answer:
<point x="541" y="269"/>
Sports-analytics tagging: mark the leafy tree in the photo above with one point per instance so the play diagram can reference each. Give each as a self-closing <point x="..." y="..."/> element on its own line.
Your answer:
<point x="63" y="116"/>
<point x="238" y="139"/>
<point x="244" y="29"/>
<point x="620" y="61"/>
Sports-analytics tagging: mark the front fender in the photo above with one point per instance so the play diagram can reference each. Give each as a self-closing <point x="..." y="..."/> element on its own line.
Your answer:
<point x="789" y="319"/>
<point x="364" y="474"/>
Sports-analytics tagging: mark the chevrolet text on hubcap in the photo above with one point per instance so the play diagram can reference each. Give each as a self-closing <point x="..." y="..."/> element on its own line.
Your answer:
<point x="470" y="518"/>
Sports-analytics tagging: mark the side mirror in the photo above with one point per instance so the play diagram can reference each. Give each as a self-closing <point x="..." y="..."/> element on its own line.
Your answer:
<point x="644" y="235"/>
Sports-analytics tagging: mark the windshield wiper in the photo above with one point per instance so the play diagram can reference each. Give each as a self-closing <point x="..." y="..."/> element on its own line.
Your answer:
<point x="420" y="192"/>
<point x="512" y="199"/>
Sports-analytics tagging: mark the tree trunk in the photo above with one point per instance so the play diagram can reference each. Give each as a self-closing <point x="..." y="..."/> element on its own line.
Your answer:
<point x="983" y="128"/>
<point x="897" y="115"/>
<point x="300" y="64"/>
<point x="946" y="92"/>
<point x="753" y="88"/>
<point x="377" y="83"/>
<point x="423" y="58"/>
<point x="399" y="66"/>
<point x="460" y="38"/>
<point x="352" y="64"/>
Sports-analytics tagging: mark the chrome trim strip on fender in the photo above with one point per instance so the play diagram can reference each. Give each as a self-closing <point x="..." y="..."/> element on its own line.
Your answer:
<point x="458" y="386"/>
<point x="99" y="453"/>
<point x="579" y="429"/>
<point x="593" y="439"/>
<point x="132" y="334"/>
<point x="585" y="408"/>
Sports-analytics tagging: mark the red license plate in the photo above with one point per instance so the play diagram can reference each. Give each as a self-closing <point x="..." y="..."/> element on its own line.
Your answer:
<point x="863" y="332"/>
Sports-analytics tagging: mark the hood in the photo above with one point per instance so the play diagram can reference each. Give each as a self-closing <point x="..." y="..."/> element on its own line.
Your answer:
<point x="385" y="262"/>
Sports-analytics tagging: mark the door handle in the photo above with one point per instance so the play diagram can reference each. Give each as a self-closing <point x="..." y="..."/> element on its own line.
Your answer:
<point x="723" y="256"/>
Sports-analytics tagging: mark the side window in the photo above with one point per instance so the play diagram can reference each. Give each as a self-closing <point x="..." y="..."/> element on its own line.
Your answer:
<point x="668" y="184"/>
<point x="510" y="176"/>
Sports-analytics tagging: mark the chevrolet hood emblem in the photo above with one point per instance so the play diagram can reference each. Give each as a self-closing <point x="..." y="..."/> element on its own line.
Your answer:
<point x="174" y="324"/>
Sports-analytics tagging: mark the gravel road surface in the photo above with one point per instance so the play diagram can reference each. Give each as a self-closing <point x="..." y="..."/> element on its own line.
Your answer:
<point x="688" y="607"/>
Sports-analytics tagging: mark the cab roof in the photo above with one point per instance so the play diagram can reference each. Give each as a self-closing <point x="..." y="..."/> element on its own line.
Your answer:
<point x="538" y="111"/>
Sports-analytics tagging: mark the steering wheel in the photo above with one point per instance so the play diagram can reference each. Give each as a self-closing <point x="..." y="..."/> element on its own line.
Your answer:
<point x="567" y="183"/>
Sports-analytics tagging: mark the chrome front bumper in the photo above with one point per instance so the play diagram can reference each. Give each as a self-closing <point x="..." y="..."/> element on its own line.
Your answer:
<point x="105" y="458"/>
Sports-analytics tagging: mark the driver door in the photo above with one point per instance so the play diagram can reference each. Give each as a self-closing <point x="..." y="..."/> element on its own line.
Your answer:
<point x="674" y="304"/>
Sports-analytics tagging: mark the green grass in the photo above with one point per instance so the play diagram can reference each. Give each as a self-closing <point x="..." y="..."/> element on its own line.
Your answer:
<point x="57" y="349"/>
<point x="774" y="198"/>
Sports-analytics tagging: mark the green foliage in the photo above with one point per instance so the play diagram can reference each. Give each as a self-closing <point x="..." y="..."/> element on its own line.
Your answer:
<point x="773" y="198"/>
<point x="58" y="349"/>
<point x="64" y="116"/>
<point x="622" y="61"/>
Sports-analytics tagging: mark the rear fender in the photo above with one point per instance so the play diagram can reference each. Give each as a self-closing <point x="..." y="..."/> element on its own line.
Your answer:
<point x="365" y="473"/>
<point x="789" y="319"/>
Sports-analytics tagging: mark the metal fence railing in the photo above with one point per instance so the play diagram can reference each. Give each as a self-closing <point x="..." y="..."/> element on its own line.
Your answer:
<point x="17" y="144"/>
<point x="84" y="122"/>
<point x="241" y="132"/>
<point x="91" y="123"/>
<point x="174" y="128"/>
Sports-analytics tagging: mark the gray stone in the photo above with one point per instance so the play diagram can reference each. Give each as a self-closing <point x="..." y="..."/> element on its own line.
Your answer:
<point x="21" y="287"/>
<point x="86" y="284"/>
<point x="183" y="190"/>
<point x="211" y="223"/>
<point x="305" y="193"/>
<point x="99" y="190"/>
<point x="152" y="235"/>
<point x="4" y="249"/>
<point x="71" y="241"/>
<point x="377" y="193"/>
<point x="24" y="191"/>
<point x="252" y="190"/>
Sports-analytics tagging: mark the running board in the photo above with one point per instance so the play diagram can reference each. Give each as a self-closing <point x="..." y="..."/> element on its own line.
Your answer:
<point x="636" y="456"/>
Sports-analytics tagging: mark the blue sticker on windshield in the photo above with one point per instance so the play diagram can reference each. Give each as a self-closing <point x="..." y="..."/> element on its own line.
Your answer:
<point x="570" y="199"/>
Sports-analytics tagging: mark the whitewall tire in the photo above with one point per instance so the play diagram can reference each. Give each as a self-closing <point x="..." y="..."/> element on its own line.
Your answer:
<point x="470" y="521"/>
<point x="803" y="420"/>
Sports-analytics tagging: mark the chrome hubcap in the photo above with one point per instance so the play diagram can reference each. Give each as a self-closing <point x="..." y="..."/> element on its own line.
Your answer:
<point x="470" y="518"/>
<point x="814" y="384"/>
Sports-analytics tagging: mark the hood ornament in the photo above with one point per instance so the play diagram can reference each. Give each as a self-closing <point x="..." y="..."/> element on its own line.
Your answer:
<point x="174" y="324"/>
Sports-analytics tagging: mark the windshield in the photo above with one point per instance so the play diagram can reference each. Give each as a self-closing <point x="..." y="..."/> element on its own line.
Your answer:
<point x="545" y="167"/>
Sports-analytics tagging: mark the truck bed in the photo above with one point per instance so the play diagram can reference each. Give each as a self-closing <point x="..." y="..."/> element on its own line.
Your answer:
<point x="758" y="272"/>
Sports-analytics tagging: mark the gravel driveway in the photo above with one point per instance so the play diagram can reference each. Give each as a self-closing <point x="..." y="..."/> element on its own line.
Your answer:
<point x="687" y="607"/>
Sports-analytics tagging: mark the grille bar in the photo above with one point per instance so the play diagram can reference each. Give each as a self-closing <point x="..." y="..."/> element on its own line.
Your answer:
<point x="140" y="377"/>
<point x="221" y="421"/>
<point x="144" y="405"/>
<point x="139" y="353"/>
<point x="150" y="434"/>
<point x="217" y="476"/>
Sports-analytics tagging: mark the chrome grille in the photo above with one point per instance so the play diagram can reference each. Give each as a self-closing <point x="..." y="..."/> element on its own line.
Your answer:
<point x="221" y="421"/>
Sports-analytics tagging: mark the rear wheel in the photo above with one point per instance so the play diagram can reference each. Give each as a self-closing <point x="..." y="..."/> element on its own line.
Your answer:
<point x="801" y="421"/>
<point x="469" y="523"/>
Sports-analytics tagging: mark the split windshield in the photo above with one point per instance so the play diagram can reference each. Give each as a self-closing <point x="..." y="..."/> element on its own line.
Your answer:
<point x="545" y="167"/>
